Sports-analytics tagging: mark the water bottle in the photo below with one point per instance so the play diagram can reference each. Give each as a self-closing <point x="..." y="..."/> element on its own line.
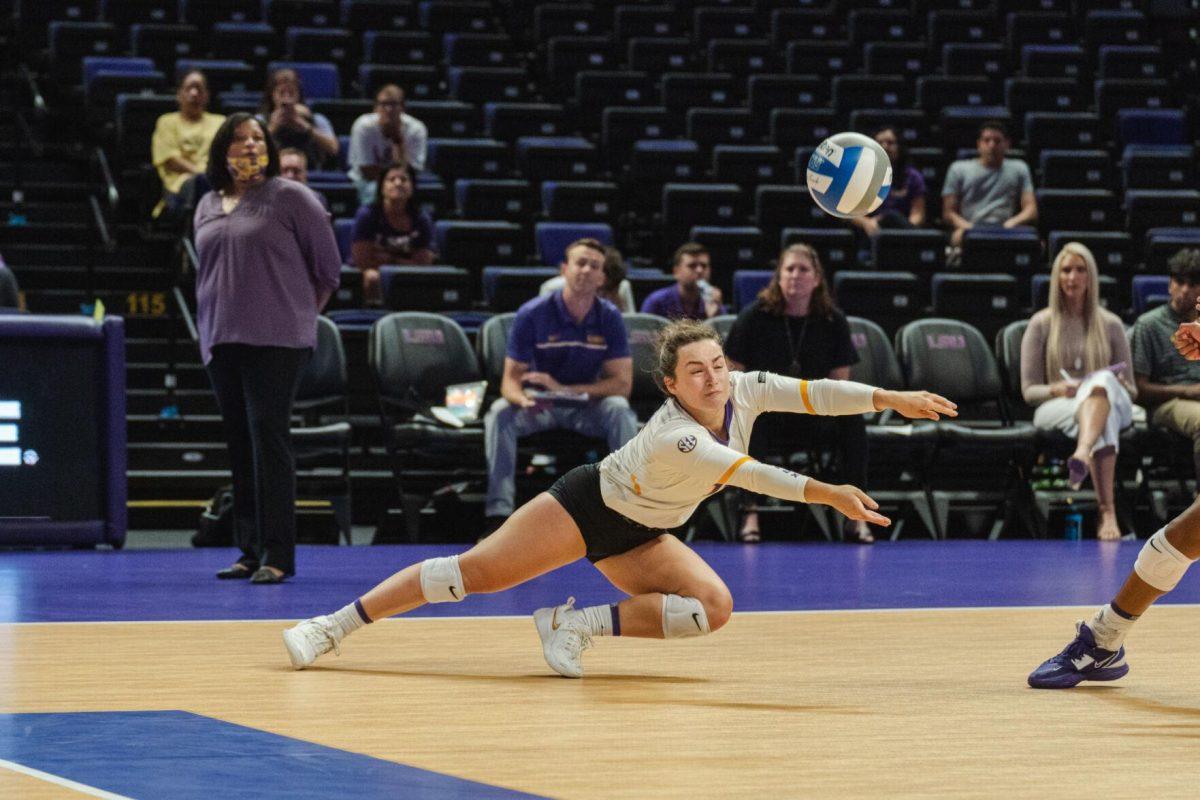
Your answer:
<point x="1072" y="522"/>
<point x="16" y="215"/>
<point x="706" y="291"/>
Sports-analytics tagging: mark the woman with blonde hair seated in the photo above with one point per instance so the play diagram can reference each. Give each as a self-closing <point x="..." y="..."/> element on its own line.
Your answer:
<point x="1075" y="368"/>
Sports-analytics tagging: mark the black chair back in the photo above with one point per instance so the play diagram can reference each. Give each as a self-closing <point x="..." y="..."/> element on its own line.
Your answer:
<point x="642" y="330"/>
<point x="491" y="345"/>
<point x="414" y="355"/>
<point x="324" y="380"/>
<point x="877" y="364"/>
<point x="950" y="358"/>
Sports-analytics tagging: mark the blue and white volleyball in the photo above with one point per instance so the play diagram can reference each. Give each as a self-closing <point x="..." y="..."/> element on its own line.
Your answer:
<point x="849" y="175"/>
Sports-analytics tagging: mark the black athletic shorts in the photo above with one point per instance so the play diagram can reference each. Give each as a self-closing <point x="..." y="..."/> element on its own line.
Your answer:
<point x="605" y="532"/>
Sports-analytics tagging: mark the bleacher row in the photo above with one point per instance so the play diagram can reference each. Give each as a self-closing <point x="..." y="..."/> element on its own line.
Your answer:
<point x="726" y="99"/>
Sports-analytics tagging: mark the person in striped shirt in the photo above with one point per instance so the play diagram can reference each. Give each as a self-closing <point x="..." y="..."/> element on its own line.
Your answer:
<point x="619" y="513"/>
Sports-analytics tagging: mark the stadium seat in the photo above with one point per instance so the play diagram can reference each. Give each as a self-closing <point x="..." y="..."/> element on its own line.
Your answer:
<point x="963" y="59"/>
<point x="742" y="57"/>
<point x="688" y="204"/>
<point x="880" y="25"/>
<point x="1015" y="251"/>
<point x="420" y="82"/>
<point x="1077" y="209"/>
<point x="960" y="124"/>
<point x="766" y="93"/>
<point x="451" y="16"/>
<point x="444" y="119"/>
<point x="850" y="92"/>
<point x="1130" y="63"/>
<point x="596" y="91"/>
<point x="164" y="43"/>
<point x="835" y="246"/>
<point x="896" y="58"/>
<point x="475" y="244"/>
<point x="136" y="116"/>
<point x="590" y="201"/>
<point x="989" y="300"/>
<point x="553" y="238"/>
<point x="568" y="55"/>
<point x="658" y="55"/>
<point x="556" y="158"/>
<point x="790" y="24"/>
<point x="748" y="165"/>
<point x="1076" y="169"/>
<point x="416" y="288"/>
<point x="889" y="299"/>
<point x="655" y="162"/>
<point x="1151" y="126"/>
<point x="374" y="15"/>
<point x="630" y="21"/>
<point x="467" y="158"/>
<point x="911" y="125"/>
<point x="253" y="42"/>
<point x="780" y="206"/>
<point x="712" y="22"/>
<point x="747" y="283"/>
<point x="284" y="14"/>
<point x="1114" y="250"/>
<point x="946" y="25"/>
<point x="486" y="84"/>
<point x="509" y="200"/>
<point x="1158" y="167"/>
<point x="1160" y="208"/>
<point x="478" y="50"/>
<point x="1111" y="26"/>
<point x="336" y="46"/>
<point x="1110" y="294"/>
<point x="1149" y="291"/>
<point x="399" y="47"/>
<point x="1038" y="28"/>
<point x="792" y="127"/>
<point x="622" y="126"/>
<point x="1113" y="95"/>
<point x="646" y="282"/>
<point x="508" y="288"/>
<point x="1057" y="131"/>
<point x="708" y="127"/>
<point x="566" y="19"/>
<point x="72" y="41"/>
<point x="320" y="80"/>
<point x="222" y="75"/>
<point x="1059" y="95"/>
<point x="935" y="92"/>
<point x="206" y="13"/>
<point x="343" y="230"/>
<point x="1163" y="243"/>
<point x="1053" y="61"/>
<point x="917" y="250"/>
<point x="819" y="57"/>
<point x="730" y="249"/>
<point x="684" y="90"/>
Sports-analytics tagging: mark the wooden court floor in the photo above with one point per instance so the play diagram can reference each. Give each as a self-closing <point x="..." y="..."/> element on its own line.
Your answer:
<point x="776" y="705"/>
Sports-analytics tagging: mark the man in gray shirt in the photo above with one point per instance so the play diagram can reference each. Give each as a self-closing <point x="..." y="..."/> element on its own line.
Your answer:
<point x="988" y="190"/>
<point x="384" y="136"/>
<point x="1167" y="383"/>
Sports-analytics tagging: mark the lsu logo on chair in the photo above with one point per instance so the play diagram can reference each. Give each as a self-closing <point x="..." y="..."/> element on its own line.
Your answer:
<point x="687" y="444"/>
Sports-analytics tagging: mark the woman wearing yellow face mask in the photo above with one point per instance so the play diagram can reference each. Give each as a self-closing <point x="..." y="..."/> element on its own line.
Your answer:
<point x="268" y="262"/>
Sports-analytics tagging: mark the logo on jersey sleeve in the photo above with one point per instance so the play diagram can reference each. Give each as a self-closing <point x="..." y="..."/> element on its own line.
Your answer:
<point x="687" y="444"/>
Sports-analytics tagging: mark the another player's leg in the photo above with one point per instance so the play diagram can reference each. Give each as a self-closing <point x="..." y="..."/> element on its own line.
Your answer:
<point x="538" y="538"/>
<point x="1097" y="653"/>
<point x="674" y="594"/>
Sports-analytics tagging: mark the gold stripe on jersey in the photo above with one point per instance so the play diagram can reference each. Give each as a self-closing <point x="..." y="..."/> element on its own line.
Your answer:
<point x="808" y="406"/>
<point x="732" y="469"/>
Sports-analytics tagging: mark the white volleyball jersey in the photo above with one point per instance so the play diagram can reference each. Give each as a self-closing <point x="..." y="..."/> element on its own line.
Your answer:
<point x="659" y="477"/>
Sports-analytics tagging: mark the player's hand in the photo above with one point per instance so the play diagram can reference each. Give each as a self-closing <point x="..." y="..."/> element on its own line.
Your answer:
<point x="916" y="405"/>
<point x="1187" y="340"/>
<point x="850" y="500"/>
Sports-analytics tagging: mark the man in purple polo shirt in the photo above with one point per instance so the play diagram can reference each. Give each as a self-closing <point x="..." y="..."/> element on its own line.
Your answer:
<point x="568" y="341"/>
<point x="692" y="296"/>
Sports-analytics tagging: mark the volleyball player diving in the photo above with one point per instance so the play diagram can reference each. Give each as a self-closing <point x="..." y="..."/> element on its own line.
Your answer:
<point x="1097" y="653"/>
<point x="618" y="513"/>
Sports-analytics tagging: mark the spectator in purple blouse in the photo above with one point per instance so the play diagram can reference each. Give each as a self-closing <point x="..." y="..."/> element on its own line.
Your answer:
<point x="391" y="230"/>
<point x="692" y="296"/>
<point x="905" y="203"/>
<point x="268" y="262"/>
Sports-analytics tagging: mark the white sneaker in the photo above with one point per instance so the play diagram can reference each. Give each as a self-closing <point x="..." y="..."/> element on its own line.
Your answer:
<point x="565" y="636"/>
<point x="311" y="638"/>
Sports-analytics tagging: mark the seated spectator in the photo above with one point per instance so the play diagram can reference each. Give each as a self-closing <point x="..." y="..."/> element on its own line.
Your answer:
<point x="1169" y="384"/>
<point x="794" y="329"/>
<point x="569" y="341"/>
<point x="989" y="190"/>
<point x="1069" y="357"/>
<point x="391" y="230"/>
<point x="692" y="296"/>
<point x="384" y="136"/>
<point x="291" y="122"/>
<point x="179" y="146"/>
<point x="616" y="289"/>
<point x="293" y="165"/>
<point x="904" y="206"/>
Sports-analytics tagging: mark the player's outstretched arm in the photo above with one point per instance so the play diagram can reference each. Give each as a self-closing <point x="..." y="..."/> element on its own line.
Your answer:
<point x="850" y="500"/>
<point x="915" y="405"/>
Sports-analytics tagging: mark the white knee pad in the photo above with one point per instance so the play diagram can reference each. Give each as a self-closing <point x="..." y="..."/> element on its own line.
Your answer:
<point x="683" y="616"/>
<point x="441" y="580"/>
<point x="1160" y="564"/>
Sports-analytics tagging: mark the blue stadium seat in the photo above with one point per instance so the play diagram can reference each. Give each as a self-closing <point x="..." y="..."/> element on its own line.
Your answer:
<point x="124" y="13"/>
<point x="621" y="126"/>
<point x="1113" y="95"/>
<point x="790" y="24"/>
<point x="1105" y="26"/>
<point x="747" y="283"/>
<point x="784" y="205"/>
<point x="1058" y="95"/>
<point x="1148" y="292"/>
<point x="917" y="250"/>
<point x="342" y="113"/>
<point x="235" y="100"/>
<point x="710" y="22"/>
<point x="684" y="90"/>
<point x="320" y="80"/>
<point x="1076" y="169"/>
<point x="93" y="65"/>
<point x="509" y="200"/>
<point x="467" y="158"/>
<point x="1013" y="250"/>
<point x="655" y="55"/>
<point x="343" y="229"/>
<point x="910" y="124"/>
<point x="595" y="91"/>
<point x="960" y="124"/>
<point x="105" y="85"/>
<point x="486" y="84"/>
<point x="550" y="158"/>
<point x="748" y="165"/>
<point x="284" y="14"/>
<point x="508" y="288"/>
<point x="223" y="75"/>
<point x="592" y="201"/>
<point x="164" y="43"/>
<point x="507" y="122"/>
<point x="373" y="15"/>
<point x="136" y="116"/>
<point x="1151" y="126"/>
<point x="880" y="25"/>
<point x="688" y="204"/>
<point x="1052" y="61"/>
<point x="1118" y="61"/>
<point x="400" y="47"/>
<point x="819" y="57"/>
<point x="336" y="46"/>
<point x="436" y="288"/>
<point x="206" y="13"/>
<point x="935" y="92"/>
<point x="475" y="244"/>
<point x="478" y="50"/>
<point x="553" y="238"/>
<point x="1072" y="131"/>
<point x="742" y="57"/>
<point x="708" y="127"/>
<point x="730" y="249"/>
<point x="1163" y="243"/>
<point x="630" y="21"/>
<point x="566" y="19"/>
<point x="1077" y="210"/>
<point x="947" y="25"/>
<point x="765" y="93"/>
<point x="1038" y="28"/>
<point x="253" y="42"/>
<point x="1158" y="167"/>
<point x="1114" y="250"/>
<point x="655" y="162"/>
<point x="446" y="16"/>
<point x="896" y="58"/>
<point x="420" y="82"/>
<point x="792" y="127"/>
<point x="836" y="246"/>
<point x="850" y="92"/>
<point x="71" y="41"/>
<point x="566" y="56"/>
<point x="1160" y="208"/>
<point x="965" y="59"/>
<point x="989" y="301"/>
<point x="889" y="299"/>
<point x="1110" y="292"/>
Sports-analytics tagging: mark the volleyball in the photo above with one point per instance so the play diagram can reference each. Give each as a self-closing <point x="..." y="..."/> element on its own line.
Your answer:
<point x="849" y="175"/>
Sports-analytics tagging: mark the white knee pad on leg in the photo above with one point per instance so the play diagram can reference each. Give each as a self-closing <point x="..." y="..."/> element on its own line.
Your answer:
<point x="1160" y="564"/>
<point x="683" y="616"/>
<point x="441" y="580"/>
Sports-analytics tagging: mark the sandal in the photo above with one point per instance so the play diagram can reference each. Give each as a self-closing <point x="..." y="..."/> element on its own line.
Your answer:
<point x="237" y="571"/>
<point x="268" y="575"/>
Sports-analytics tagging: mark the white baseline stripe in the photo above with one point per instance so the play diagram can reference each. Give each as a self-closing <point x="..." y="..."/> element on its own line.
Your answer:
<point x="57" y="781"/>
<point x="530" y="614"/>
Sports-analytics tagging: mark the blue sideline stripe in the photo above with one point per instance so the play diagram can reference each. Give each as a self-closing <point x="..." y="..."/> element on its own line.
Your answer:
<point x="181" y="755"/>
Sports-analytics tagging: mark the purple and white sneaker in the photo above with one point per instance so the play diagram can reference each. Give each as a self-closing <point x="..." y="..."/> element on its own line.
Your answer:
<point x="1081" y="661"/>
